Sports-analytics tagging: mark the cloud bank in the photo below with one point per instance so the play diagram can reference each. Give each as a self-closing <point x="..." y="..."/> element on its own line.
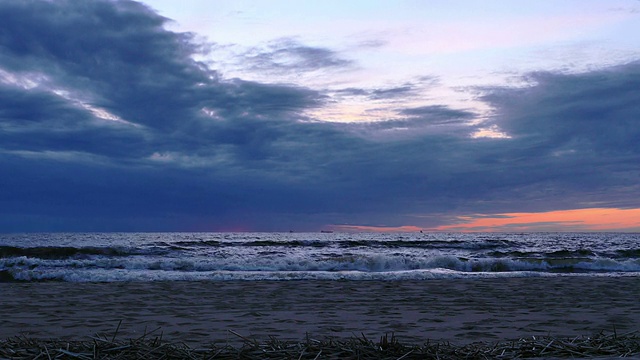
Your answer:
<point x="107" y="123"/>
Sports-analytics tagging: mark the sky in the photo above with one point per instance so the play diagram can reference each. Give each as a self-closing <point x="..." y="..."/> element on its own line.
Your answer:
<point x="403" y="115"/>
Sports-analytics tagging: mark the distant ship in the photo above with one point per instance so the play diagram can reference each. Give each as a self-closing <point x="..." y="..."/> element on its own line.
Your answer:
<point x="326" y="231"/>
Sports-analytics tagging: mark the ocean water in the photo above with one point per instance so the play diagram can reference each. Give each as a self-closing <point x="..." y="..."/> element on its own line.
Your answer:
<point x="109" y="257"/>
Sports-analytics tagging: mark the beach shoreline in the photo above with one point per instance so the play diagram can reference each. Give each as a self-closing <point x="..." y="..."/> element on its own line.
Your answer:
<point x="459" y="311"/>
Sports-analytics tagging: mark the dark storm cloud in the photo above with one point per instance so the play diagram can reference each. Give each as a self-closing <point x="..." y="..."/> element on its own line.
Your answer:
<point x="575" y="133"/>
<point x="401" y="91"/>
<point x="36" y="120"/>
<point x="418" y="123"/>
<point x="118" y="50"/>
<point x="593" y="114"/>
<point x="196" y="152"/>
<point x="439" y="114"/>
<point x="20" y="109"/>
<point x="379" y="94"/>
<point x="117" y="56"/>
<point x="285" y="55"/>
<point x="405" y="91"/>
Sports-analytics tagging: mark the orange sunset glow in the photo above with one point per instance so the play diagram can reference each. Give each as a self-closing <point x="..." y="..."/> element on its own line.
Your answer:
<point x="594" y="219"/>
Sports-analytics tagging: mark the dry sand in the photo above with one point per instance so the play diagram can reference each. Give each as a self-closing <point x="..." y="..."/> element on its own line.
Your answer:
<point x="459" y="311"/>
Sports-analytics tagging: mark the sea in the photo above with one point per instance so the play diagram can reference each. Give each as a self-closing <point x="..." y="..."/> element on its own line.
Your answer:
<point x="114" y="257"/>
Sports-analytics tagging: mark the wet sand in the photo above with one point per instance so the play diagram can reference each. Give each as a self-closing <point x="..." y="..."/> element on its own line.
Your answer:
<point x="198" y="313"/>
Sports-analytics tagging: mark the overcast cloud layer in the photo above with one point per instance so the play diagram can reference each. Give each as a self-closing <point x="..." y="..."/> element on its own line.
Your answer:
<point x="107" y="124"/>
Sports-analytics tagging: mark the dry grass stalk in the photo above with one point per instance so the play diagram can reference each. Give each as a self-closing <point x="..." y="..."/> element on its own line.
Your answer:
<point x="146" y="347"/>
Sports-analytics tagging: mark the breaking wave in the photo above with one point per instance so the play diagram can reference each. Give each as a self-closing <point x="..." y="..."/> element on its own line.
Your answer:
<point x="169" y="256"/>
<point x="144" y="268"/>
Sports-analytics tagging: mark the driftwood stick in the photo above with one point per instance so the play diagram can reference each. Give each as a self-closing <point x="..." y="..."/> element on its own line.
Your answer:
<point x="116" y="332"/>
<point x="246" y="339"/>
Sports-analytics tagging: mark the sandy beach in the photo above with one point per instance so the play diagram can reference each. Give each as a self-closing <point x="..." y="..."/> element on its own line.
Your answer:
<point x="198" y="313"/>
